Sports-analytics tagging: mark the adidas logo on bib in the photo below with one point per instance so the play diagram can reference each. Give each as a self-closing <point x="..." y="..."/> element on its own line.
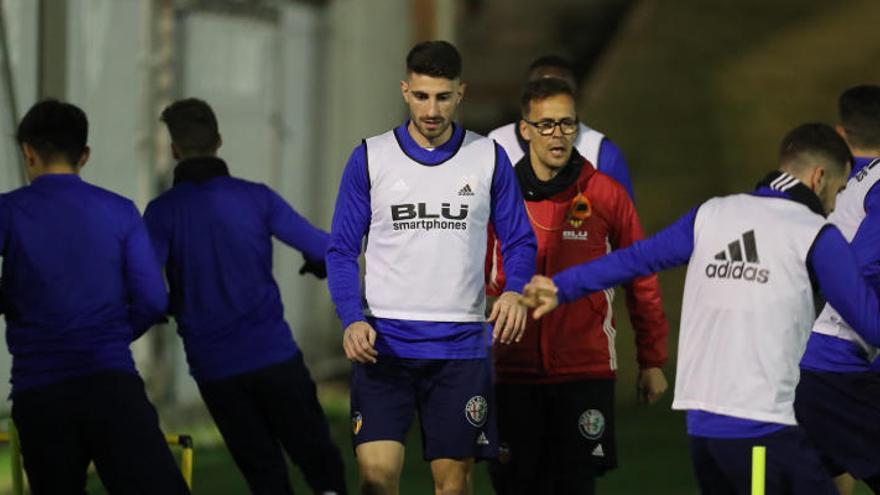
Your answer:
<point x="465" y="191"/>
<point x="598" y="452"/>
<point x="731" y="265"/>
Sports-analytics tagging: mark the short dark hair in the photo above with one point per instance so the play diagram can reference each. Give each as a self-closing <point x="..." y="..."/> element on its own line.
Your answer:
<point x="815" y="139"/>
<point x="55" y="129"/>
<point x="193" y="126"/>
<point x="554" y="61"/>
<point x="859" y="109"/>
<point x="541" y="89"/>
<point x="435" y="59"/>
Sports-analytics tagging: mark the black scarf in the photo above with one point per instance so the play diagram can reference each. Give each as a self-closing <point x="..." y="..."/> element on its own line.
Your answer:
<point x="200" y="169"/>
<point x="798" y="192"/>
<point x="534" y="189"/>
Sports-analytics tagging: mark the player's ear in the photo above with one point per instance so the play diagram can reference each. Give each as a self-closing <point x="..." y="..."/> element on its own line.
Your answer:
<point x="461" y="88"/>
<point x="523" y="128"/>
<point x="841" y="131"/>
<point x="817" y="179"/>
<point x="404" y="90"/>
<point x="86" y="154"/>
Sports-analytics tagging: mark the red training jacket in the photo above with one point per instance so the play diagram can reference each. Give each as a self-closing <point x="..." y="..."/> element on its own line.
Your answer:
<point x="576" y="340"/>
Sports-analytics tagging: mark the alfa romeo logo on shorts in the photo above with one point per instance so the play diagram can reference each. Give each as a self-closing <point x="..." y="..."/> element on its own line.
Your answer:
<point x="592" y="424"/>
<point x="476" y="410"/>
<point x="356" y="422"/>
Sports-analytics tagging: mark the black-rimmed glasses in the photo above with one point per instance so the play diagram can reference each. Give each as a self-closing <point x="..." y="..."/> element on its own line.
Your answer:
<point x="545" y="127"/>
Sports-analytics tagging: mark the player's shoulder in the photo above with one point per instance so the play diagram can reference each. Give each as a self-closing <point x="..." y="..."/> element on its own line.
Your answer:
<point x="504" y="132"/>
<point x="108" y="197"/>
<point x="604" y="184"/>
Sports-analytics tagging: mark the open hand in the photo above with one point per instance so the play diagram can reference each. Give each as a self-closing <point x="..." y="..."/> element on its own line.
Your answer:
<point x="509" y="317"/>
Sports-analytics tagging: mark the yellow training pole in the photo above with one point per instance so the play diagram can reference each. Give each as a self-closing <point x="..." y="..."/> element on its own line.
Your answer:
<point x="186" y="456"/>
<point x="186" y="459"/>
<point x="759" y="465"/>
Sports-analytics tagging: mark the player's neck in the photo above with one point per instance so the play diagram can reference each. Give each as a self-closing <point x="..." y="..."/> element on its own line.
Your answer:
<point x="426" y="142"/>
<point x="865" y="152"/>
<point x="542" y="171"/>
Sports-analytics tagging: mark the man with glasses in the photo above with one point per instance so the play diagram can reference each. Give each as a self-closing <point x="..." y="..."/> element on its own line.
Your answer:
<point x="555" y="387"/>
<point x="599" y="151"/>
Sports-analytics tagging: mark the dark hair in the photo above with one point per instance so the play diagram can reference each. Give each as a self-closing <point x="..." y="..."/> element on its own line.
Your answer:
<point x="541" y="89"/>
<point x="859" y="109"/>
<point x="815" y="139"/>
<point x="55" y="129"/>
<point x="193" y="126"/>
<point x="554" y="61"/>
<point x="435" y="59"/>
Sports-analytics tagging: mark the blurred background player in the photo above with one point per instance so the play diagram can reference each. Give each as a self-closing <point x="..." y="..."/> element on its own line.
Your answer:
<point x="747" y="304"/>
<point x="426" y="192"/>
<point x="859" y="111"/>
<point x="80" y="283"/>
<point x="555" y="387"/>
<point x="213" y="233"/>
<point x="838" y="397"/>
<point x="599" y="151"/>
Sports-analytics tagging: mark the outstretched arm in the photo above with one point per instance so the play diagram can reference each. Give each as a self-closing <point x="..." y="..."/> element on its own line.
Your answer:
<point x="668" y="248"/>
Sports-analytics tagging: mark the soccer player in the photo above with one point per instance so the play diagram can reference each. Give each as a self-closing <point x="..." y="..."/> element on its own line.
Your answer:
<point x="213" y="233"/>
<point x="555" y="388"/>
<point x="599" y="151"/>
<point x="80" y="283"/>
<point x="747" y="310"/>
<point x="837" y="396"/>
<point x="426" y="192"/>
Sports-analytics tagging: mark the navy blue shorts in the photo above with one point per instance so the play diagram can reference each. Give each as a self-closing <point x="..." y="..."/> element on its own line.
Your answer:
<point x="453" y="397"/>
<point x="840" y="413"/>
<point x="724" y="465"/>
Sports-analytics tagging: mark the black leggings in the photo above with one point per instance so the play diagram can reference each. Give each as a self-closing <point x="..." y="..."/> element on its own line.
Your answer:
<point x="258" y="410"/>
<point x="105" y="418"/>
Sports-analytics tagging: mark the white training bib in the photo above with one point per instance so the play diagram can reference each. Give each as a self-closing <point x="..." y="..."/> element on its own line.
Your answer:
<point x="747" y="308"/>
<point x="426" y="246"/>
<point x="848" y="216"/>
<point x="587" y="143"/>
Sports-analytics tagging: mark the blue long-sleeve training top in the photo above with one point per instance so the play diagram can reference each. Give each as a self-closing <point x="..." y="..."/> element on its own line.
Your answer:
<point x="351" y="221"/>
<point x="830" y="260"/>
<point x="213" y="233"/>
<point x="832" y="354"/>
<point x="80" y="280"/>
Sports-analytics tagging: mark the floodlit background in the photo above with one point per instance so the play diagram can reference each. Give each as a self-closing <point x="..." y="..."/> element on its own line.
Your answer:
<point x="697" y="93"/>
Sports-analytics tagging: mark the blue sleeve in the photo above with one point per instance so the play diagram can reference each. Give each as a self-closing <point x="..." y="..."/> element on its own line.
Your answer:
<point x="351" y="219"/>
<point x="837" y="272"/>
<point x="147" y="298"/>
<point x="518" y="243"/>
<point x="160" y="235"/>
<point x="866" y="243"/>
<point x="294" y="230"/>
<point x="4" y="229"/>
<point x="668" y="248"/>
<point x="611" y="162"/>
